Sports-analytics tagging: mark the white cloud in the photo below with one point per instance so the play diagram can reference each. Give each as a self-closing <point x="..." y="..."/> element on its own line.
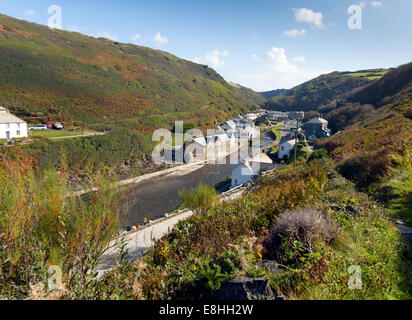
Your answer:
<point x="30" y="13"/>
<point x="295" y="33"/>
<point x="282" y="73"/>
<point x="213" y="58"/>
<point x="362" y="4"/>
<point x="136" y="38"/>
<point x="376" y="4"/>
<point x="159" y="39"/>
<point x="299" y="59"/>
<point x="308" y="16"/>
<point x="105" y="34"/>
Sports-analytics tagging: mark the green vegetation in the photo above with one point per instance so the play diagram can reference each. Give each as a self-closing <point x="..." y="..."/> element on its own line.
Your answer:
<point x="397" y="193"/>
<point x="81" y="80"/>
<point x="198" y="199"/>
<point x="42" y="225"/>
<point x="318" y="155"/>
<point x="53" y="134"/>
<point x="228" y="239"/>
<point x="314" y="94"/>
<point x="369" y="74"/>
<point x="88" y="155"/>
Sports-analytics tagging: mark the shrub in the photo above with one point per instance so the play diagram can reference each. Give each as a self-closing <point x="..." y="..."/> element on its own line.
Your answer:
<point x="318" y="155"/>
<point x="298" y="229"/>
<point x="200" y="198"/>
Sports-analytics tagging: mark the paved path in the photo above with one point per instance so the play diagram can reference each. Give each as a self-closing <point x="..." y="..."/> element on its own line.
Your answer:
<point x="139" y="242"/>
<point x="85" y="134"/>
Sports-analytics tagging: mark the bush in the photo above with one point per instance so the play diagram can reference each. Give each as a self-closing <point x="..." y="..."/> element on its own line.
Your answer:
<point x="318" y="155"/>
<point x="200" y="198"/>
<point x="304" y="226"/>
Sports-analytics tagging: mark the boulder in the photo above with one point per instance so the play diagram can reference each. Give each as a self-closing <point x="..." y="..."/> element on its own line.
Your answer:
<point x="352" y="210"/>
<point x="245" y="289"/>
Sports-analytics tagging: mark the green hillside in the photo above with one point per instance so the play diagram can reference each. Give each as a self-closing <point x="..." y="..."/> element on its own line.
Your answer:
<point x="320" y="91"/>
<point x="66" y="76"/>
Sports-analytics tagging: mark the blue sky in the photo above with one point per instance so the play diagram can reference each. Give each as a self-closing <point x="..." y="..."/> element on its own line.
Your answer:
<point x="261" y="44"/>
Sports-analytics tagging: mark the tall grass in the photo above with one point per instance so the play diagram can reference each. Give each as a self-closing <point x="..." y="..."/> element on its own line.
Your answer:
<point x="42" y="225"/>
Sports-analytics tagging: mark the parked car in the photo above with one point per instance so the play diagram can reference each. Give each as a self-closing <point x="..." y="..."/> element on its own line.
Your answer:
<point x="48" y="125"/>
<point x="39" y="127"/>
<point x="58" y="126"/>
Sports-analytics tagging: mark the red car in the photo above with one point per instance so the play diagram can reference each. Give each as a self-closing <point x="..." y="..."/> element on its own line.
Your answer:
<point x="48" y="125"/>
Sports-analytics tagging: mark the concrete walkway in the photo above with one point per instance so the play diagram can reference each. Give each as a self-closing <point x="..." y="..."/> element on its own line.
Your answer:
<point x="85" y="134"/>
<point x="139" y="242"/>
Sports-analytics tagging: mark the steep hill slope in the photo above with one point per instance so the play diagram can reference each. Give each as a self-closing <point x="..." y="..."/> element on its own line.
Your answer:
<point x="375" y="148"/>
<point x="391" y="93"/>
<point x="320" y="91"/>
<point x="71" y="77"/>
<point x="273" y="93"/>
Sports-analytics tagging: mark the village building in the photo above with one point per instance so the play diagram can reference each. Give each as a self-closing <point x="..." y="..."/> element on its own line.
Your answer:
<point x="277" y="116"/>
<point x="11" y="126"/>
<point x="286" y="146"/>
<point x="296" y="115"/>
<point x="251" y="168"/>
<point x="251" y="116"/>
<point x="290" y="126"/>
<point x="317" y="128"/>
<point x="228" y="125"/>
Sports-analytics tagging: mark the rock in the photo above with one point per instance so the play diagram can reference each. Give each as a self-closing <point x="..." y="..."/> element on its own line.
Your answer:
<point x="337" y="208"/>
<point x="331" y="175"/>
<point x="245" y="289"/>
<point x="406" y="234"/>
<point x="352" y="210"/>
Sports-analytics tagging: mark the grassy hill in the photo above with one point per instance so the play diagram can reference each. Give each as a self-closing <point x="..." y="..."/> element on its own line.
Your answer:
<point x="66" y="76"/>
<point x="375" y="149"/>
<point x="314" y="94"/>
<point x="273" y="93"/>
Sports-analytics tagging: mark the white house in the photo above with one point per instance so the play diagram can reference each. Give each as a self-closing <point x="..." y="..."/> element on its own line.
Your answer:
<point x="251" y="116"/>
<point x="277" y="116"/>
<point x="285" y="147"/>
<point x="11" y="126"/>
<point x="251" y="168"/>
<point x="229" y="125"/>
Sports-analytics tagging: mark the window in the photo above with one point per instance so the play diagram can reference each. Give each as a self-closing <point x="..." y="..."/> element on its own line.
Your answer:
<point x="18" y="133"/>
<point x="8" y="125"/>
<point x="235" y="182"/>
<point x="282" y="148"/>
<point x="18" y="125"/>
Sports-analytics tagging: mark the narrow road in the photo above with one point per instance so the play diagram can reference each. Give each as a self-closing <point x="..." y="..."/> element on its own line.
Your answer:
<point x="85" y="134"/>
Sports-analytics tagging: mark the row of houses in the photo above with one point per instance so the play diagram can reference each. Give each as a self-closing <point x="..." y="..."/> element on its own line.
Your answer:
<point x="224" y="141"/>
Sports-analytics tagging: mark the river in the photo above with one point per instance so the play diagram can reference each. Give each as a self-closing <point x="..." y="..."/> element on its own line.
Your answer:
<point x="155" y="197"/>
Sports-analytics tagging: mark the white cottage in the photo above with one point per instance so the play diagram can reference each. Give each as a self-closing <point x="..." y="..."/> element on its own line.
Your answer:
<point x="251" y="168"/>
<point x="285" y="147"/>
<point x="11" y="126"/>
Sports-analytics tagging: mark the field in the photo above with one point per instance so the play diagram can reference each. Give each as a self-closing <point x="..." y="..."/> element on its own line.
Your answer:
<point x="370" y="74"/>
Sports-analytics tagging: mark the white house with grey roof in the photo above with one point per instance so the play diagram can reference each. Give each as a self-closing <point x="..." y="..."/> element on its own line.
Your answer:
<point x="286" y="146"/>
<point x="10" y="126"/>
